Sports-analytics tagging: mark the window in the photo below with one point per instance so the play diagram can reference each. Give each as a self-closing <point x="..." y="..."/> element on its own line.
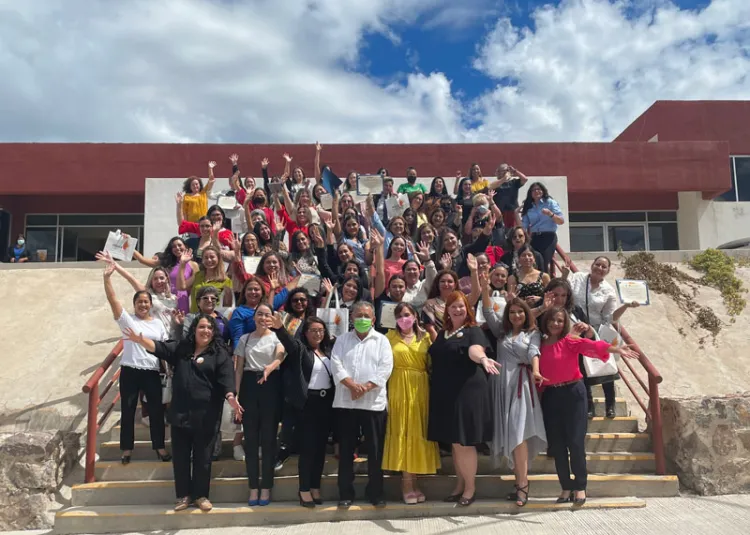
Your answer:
<point x="739" y="167"/>
<point x="77" y="237"/>
<point x="633" y="231"/>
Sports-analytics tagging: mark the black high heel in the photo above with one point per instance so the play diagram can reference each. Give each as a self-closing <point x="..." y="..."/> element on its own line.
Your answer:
<point x="513" y="496"/>
<point x="163" y="458"/>
<point x="303" y="503"/>
<point x="568" y="498"/>
<point x="578" y="501"/>
<point x="520" y="502"/>
<point x="125" y="459"/>
<point x="466" y="502"/>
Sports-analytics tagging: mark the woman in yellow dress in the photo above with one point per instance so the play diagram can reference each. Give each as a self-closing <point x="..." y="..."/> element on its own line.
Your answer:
<point x="407" y="449"/>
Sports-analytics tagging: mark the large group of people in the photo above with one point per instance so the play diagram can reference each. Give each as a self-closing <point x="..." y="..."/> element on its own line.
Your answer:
<point x="395" y="332"/>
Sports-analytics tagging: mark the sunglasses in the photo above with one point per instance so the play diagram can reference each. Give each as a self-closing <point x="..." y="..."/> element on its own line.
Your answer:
<point x="299" y="300"/>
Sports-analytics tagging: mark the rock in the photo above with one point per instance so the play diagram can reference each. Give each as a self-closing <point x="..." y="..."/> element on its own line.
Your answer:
<point x="32" y="468"/>
<point x="707" y="442"/>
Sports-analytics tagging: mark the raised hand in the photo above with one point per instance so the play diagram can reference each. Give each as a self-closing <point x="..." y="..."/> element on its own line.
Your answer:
<point x="108" y="270"/>
<point x="580" y="328"/>
<point x="237" y="246"/>
<point x="234" y="158"/>
<point x="277" y="322"/>
<point x="446" y="261"/>
<point x="178" y="316"/>
<point x="211" y="164"/>
<point x="179" y="197"/>
<point x="549" y="300"/>
<point x="104" y="256"/>
<point x="186" y="256"/>
<point x="423" y="252"/>
<point x="328" y="285"/>
<point x="131" y="335"/>
<point x="273" y="280"/>
<point x="316" y="238"/>
<point x="471" y="262"/>
<point x="318" y="146"/>
<point x="287" y="157"/>
<point x="459" y="175"/>
<point x="264" y="163"/>
<point x="490" y="224"/>
<point x="376" y="239"/>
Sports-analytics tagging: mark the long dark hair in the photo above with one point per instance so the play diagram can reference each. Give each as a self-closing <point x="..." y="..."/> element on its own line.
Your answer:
<point x="167" y="258"/>
<point x="460" y="194"/>
<point x="547" y="316"/>
<point x="410" y="228"/>
<point x="404" y="255"/>
<point x="361" y="294"/>
<point x="565" y="285"/>
<point x="529" y="323"/>
<point x="434" y="193"/>
<point x="256" y="231"/>
<point x="216" y="342"/>
<point x="529" y="202"/>
<point x="435" y="290"/>
<point x="309" y="311"/>
<point x="326" y="344"/>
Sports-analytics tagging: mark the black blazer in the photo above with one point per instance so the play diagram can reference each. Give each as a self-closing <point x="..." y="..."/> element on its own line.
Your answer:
<point x="300" y="361"/>
<point x="198" y="388"/>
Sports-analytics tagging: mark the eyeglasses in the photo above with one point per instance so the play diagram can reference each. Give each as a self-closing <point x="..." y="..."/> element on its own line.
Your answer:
<point x="316" y="331"/>
<point x="299" y="300"/>
<point x="209" y="298"/>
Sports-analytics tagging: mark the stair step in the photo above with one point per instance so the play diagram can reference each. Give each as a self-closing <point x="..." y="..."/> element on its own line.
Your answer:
<point x="601" y="463"/>
<point x="113" y="519"/>
<point x="233" y="490"/>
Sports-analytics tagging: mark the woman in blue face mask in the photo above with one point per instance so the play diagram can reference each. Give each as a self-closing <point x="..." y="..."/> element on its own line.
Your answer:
<point x="18" y="253"/>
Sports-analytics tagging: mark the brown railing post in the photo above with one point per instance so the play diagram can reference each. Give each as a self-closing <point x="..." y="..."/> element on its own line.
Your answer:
<point x="657" y="437"/>
<point x="91" y="431"/>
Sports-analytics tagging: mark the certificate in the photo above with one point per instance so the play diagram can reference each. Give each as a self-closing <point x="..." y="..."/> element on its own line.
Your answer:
<point x="326" y="201"/>
<point x="311" y="283"/>
<point x="388" y="315"/>
<point x="275" y="187"/>
<point x="227" y="202"/>
<point x="250" y="263"/>
<point x="369" y="184"/>
<point x="397" y="205"/>
<point x="630" y="290"/>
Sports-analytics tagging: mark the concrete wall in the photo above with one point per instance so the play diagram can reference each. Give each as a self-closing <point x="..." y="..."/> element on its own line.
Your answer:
<point x="160" y="223"/>
<point x="703" y="224"/>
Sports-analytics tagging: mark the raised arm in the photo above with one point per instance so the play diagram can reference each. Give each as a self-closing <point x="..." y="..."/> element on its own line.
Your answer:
<point x="289" y="205"/>
<point x="335" y="214"/>
<point x="318" y="149"/>
<point x="457" y="182"/>
<point x="471" y="263"/>
<point x="620" y="311"/>
<point x="211" y="177"/>
<point x="182" y="283"/>
<point x="109" y="291"/>
<point x="292" y="345"/>
<point x="377" y="244"/>
<point x="179" y="201"/>
<point x="492" y="317"/>
<point x="287" y="164"/>
<point x="149" y="262"/>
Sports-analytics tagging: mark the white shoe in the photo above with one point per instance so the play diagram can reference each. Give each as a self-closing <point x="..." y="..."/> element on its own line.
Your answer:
<point x="239" y="453"/>
<point x="145" y="421"/>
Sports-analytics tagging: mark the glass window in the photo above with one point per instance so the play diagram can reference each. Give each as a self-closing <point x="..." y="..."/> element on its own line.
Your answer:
<point x="662" y="216"/>
<point x="742" y="170"/>
<point x="42" y="243"/>
<point x="107" y="220"/>
<point x="80" y="244"/>
<point x="731" y="195"/>
<point x="587" y="239"/>
<point x="663" y="237"/>
<point x="47" y="220"/>
<point x="606" y="217"/>
<point x="629" y="237"/>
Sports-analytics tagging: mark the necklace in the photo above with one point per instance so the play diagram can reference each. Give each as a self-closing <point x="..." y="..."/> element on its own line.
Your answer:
<point x="457" y="333"/>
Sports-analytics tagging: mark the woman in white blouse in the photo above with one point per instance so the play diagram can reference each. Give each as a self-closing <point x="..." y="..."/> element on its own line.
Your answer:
<point x="139" y="370"/>
<point x="259" y="354"/>
<point x="597" y="298"/>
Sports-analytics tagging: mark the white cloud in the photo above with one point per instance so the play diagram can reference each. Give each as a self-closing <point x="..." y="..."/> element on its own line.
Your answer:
<point x="286" y="70"/>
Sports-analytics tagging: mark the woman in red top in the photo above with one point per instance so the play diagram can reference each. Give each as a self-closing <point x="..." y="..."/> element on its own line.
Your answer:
<point x="564" y="404"/>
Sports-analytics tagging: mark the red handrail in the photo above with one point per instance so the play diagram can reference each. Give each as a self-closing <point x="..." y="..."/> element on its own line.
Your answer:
<point x="93" y="421"/>
<point x="653" y="409"/>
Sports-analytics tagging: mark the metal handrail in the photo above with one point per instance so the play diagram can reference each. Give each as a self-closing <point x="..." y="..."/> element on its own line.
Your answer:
<point x="653" y="409"/>
<point x="93" y="421"/>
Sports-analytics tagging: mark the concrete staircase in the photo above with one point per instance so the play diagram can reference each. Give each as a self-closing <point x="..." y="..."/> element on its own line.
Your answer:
<point x="140" y="496"/>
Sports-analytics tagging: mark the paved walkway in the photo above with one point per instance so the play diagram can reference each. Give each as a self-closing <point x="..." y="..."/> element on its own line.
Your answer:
<point x="724" y="515"/>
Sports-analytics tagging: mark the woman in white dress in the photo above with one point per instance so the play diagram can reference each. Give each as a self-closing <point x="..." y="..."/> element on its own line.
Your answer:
<point x="519" y="433"/>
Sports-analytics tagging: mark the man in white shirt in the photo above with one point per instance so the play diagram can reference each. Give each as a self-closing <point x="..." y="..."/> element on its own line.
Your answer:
<point x="362" y="362"/>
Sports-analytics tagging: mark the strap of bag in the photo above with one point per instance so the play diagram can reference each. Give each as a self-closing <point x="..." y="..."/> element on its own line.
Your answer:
<point x="588" y="314"/>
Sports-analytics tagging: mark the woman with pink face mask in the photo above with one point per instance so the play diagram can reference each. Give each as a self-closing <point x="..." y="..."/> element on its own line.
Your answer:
<point x="407" y="449"/>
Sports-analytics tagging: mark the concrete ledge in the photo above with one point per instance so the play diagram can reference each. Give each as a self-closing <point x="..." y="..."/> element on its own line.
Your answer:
<point x="113" y="519"/>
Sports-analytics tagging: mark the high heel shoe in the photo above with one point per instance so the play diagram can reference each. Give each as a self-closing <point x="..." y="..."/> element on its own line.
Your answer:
<point x="163" y="458"/>
<point x="125" y="459"/>
<point x="453" y="498"/>
<point x="466" y="502"/>
<point x="303" y="503"/>
<point x="566" y="499"/>
<point x="265" y="501"/>
<point x="521" y="501"/>
<point x="578" y="501"/>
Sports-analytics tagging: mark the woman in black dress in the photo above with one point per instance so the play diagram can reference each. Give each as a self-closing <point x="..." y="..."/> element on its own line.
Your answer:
<point x="460" y="409"/>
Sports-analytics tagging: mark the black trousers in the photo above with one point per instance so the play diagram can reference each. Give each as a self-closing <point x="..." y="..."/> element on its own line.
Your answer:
<point x="191" y="460"/>
<point x="545" y="243"/>
<point x="373" y="424"/>
<point x="290" y="436"/>
<point x="133" y="381"/>
<point x="565" y="419"/>
<point x="260" y="423"/>
<point x="315" y="424"/>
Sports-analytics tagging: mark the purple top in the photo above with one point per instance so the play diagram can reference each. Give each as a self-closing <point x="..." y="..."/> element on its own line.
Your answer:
<point x="183" y="296"/>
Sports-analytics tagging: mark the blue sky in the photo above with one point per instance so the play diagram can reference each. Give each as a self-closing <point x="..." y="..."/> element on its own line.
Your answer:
<point x="359" y="71"/>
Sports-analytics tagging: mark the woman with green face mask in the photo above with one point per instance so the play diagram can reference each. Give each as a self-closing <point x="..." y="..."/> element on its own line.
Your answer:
<point x="362" y="362"/>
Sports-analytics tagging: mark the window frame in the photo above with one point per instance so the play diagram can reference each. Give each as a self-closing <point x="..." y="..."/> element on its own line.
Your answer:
<point x="606" y="224"/>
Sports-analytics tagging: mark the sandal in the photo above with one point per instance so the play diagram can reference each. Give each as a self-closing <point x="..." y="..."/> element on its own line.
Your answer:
<point x="513" y="496"/>
<point x="410" y="498"/>
<point x="421" y="498"/>
<point x="521" y="501"/>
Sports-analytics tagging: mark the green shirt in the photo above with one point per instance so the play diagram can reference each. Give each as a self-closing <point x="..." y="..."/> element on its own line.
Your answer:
<point x="408" y="188"/>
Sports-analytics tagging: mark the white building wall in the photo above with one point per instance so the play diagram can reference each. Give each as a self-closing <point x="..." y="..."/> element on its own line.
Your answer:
<point x="703" y="224"/>
<point x="160" y="223"/>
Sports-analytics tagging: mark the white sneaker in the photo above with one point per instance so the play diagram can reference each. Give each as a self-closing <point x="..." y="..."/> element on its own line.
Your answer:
<point x="239" y="453"/>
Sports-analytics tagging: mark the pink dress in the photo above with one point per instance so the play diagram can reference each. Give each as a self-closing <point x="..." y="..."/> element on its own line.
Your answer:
<point x="183" y="296"/>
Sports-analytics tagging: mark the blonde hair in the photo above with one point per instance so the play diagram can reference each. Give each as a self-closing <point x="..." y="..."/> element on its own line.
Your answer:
<point x="480" y="198"/>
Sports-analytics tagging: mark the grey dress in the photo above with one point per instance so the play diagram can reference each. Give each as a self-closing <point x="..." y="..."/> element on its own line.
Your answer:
<point x="517" y="416"/>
